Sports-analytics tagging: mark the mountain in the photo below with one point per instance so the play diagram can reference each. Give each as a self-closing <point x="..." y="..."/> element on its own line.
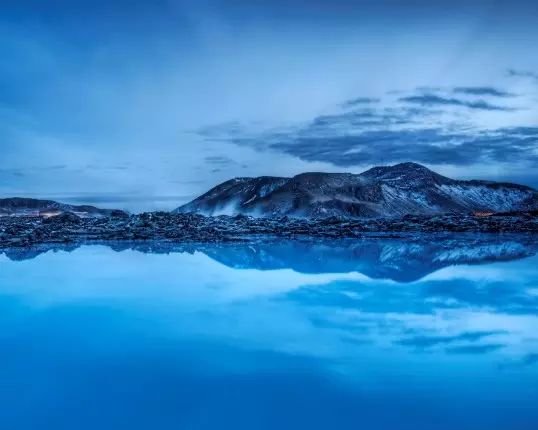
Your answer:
<point x="387" y="191"/>
<point x="17" y="206"/>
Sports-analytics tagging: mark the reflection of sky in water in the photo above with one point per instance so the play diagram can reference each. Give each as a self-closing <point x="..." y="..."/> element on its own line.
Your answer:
<point x="189" y="340"/>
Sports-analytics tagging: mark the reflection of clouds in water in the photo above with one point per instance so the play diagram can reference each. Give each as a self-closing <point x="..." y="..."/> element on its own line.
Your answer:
<point x="428" y="341"/>
<point x="453" y="329"/>
<point x="501" y="296"/>
<point x="470" y="314"/>
<point x="474" y="349"/>
<point x="530" y="359"/>
<point x="527" y="360"/>
<point x="486" y="310"/>
<point x="185" y="279"/>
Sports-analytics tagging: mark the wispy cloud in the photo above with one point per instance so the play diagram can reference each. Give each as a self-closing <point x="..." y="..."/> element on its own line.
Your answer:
<point x="366" y="117"/>
<point x="431" y="146"/>
<point x="435" y="100"/>
<point x="360" y="101"/>
<point x="483" y="91"/>
<point x="219" y="160"/>
<point x="523" y="74"/>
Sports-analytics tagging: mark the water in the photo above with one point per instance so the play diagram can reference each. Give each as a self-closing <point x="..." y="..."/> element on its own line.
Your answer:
<point x="423" y="333"/>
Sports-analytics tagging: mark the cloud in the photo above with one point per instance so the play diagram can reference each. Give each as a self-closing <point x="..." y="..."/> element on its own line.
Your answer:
<point x="482" y="91"/>
<point x="435" y="100"/>
<point x="219" y="160"/>
<point x="232" y="127"/>
<point x="360" y="101"/>
<point x="434" y="146"/>
<point x="364" y="118"/>
<point x="523" y="74"/>
<point x="424" y="128"/>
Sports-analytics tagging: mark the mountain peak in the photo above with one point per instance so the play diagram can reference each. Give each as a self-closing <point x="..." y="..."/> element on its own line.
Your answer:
<point x="409" y="165"/>
<point x="406" y="175"/>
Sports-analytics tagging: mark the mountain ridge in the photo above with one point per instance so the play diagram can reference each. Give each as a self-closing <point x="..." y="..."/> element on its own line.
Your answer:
<point x="22" y="206"/>
<point x="382" y="191"/>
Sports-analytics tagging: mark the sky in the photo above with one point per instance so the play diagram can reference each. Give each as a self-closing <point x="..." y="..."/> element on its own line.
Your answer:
<point x="144" y="105"/>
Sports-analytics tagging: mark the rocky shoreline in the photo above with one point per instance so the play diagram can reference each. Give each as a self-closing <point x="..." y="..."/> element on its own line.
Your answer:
<point x="179" y="228"/>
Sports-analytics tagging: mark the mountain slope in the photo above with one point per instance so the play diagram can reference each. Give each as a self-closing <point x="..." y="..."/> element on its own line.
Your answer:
<point x="17" y="206"/>
<point x="388" y="191"/>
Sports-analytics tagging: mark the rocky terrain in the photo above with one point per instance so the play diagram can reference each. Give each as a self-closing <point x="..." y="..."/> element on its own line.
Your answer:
<point x="388" y="191"/>
<point x="175" y="228"/>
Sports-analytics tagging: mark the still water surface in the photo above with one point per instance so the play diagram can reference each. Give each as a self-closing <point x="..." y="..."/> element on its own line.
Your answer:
<point x="422" y="333"/>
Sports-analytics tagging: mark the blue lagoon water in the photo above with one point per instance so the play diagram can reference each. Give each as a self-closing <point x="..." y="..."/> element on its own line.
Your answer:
<point x="380" y="333"/>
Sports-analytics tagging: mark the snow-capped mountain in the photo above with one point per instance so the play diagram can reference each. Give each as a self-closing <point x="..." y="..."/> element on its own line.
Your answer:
<point x="17" y="206"/>
<point x="388" y="191"/>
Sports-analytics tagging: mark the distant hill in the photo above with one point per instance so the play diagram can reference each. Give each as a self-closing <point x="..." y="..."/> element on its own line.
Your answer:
<point x="387" y="191"/>
<point x="17" y="206"/>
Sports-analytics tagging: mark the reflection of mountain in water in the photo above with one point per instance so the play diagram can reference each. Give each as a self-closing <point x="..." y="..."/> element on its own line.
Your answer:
<point x="403" y="259"/>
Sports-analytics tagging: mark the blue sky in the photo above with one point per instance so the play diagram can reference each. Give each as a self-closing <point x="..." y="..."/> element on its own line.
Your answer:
<point x="144" y="104"/>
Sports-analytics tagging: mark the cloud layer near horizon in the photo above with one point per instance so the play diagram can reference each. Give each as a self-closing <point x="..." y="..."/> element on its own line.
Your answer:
<point x="426" y="127"/>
